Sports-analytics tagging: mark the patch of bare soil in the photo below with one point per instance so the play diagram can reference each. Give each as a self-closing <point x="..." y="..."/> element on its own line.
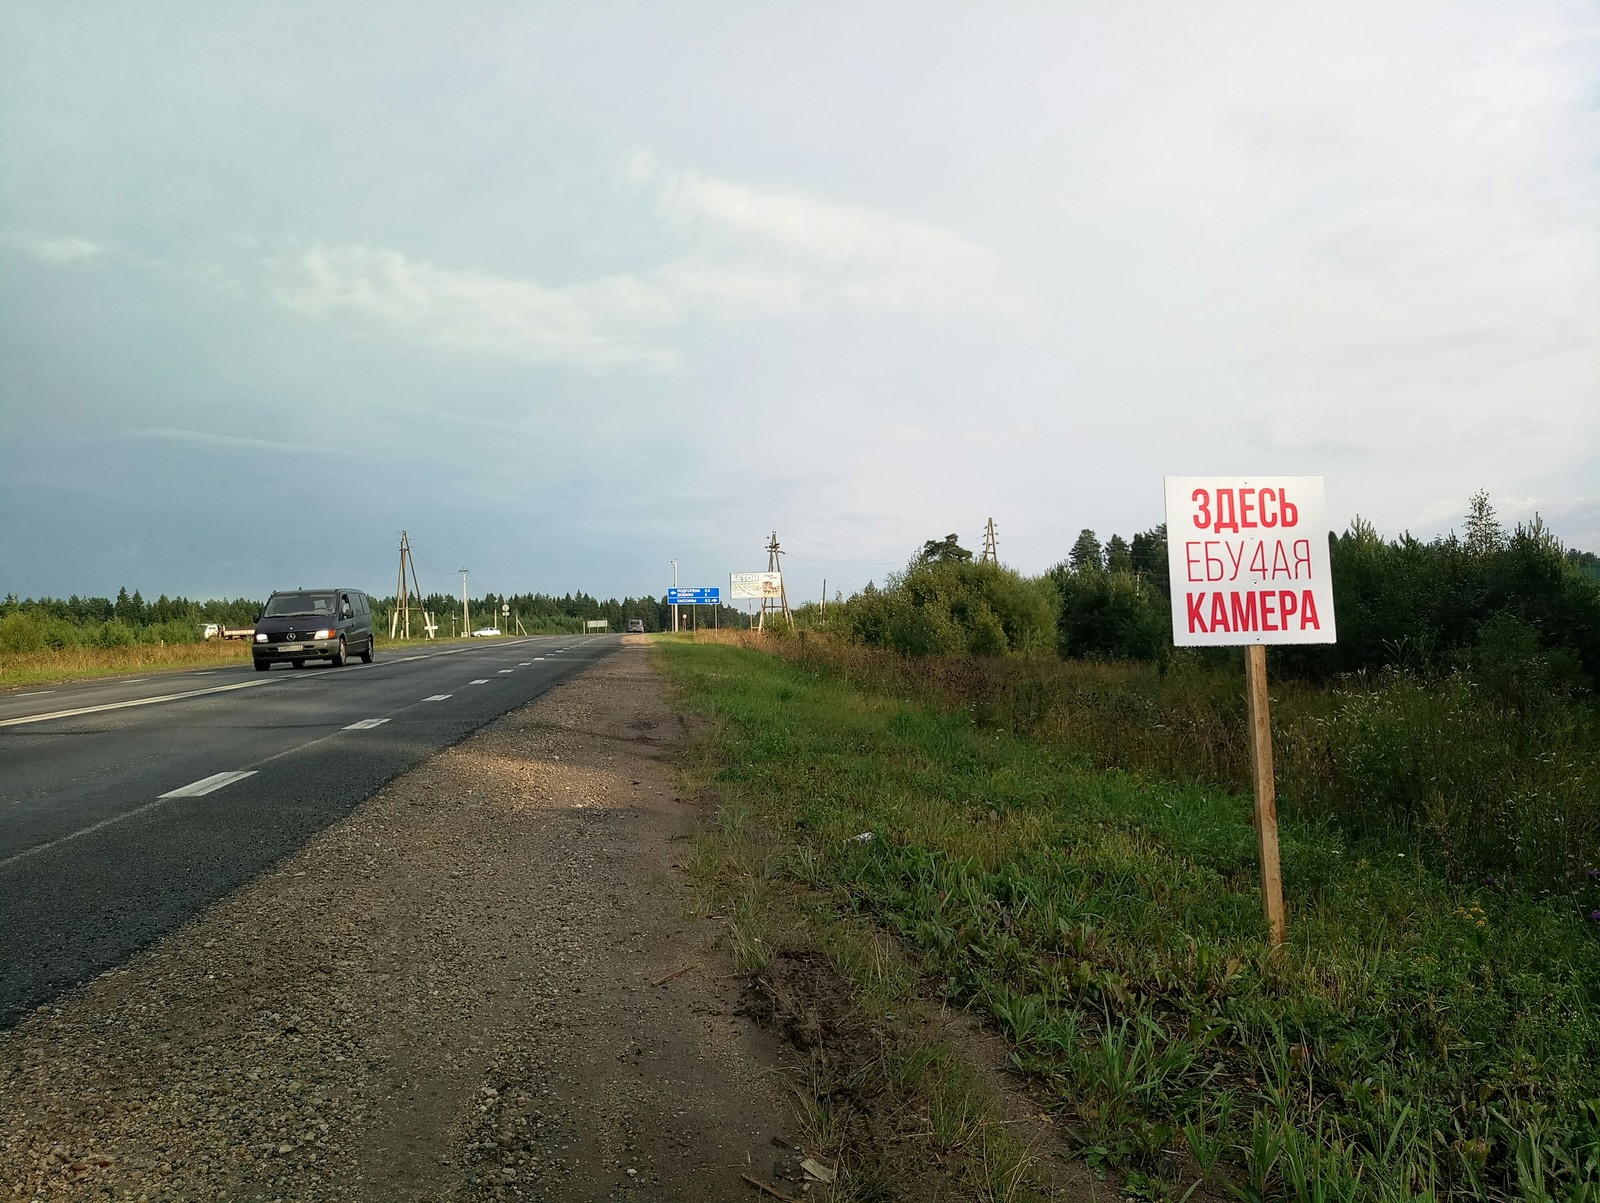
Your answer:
<point x="481" y="986"/>
<point x="880" y="1128"/>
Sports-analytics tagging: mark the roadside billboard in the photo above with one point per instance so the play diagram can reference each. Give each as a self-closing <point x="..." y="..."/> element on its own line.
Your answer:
<point x="1249" y="560"/>
<point x="758" y="585"/>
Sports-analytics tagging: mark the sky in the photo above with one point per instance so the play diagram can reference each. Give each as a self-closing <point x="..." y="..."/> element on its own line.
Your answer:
<point x="570" y="292"/>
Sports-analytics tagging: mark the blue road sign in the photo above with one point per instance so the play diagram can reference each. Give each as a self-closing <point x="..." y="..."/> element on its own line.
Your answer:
<point x="694" y="597"/>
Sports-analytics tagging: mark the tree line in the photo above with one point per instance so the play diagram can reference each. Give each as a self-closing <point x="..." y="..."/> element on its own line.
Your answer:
<point x="568" y="611"/>
<point x="37" y="624"/>
<point x="1514" y="608"/>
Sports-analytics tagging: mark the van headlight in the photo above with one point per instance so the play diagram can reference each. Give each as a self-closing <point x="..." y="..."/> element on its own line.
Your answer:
<point x="325" y="634"/>
<point x="261" y="637"/>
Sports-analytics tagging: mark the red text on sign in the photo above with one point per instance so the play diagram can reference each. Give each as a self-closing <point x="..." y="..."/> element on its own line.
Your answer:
<point x="1243" y="509"/>
<point x="1251" y="610"/>
<point x="1224" y="559"/>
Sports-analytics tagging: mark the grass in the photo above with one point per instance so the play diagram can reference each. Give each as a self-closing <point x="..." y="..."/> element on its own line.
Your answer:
<point x="52" y="665"/>
<point x="1484" y="788"/>
<point x="1416" y="1039"/>
<point x="80" y="663"/>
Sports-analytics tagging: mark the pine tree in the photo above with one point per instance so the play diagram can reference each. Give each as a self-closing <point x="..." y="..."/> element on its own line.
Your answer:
<point x="1485" y="535"/>
<point x="945" y="550"/>
<point x="1119" y="556"/>
<point x="1086" y="554"/>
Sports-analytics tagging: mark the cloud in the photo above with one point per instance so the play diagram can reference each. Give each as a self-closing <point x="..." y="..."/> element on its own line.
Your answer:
<point x="744" y="252"/>
<point x="471" y="311"/>
<point x="1420" y="318"/>
<point x="205" y="438"/>
<point x="55" y="250"/>
<point x="828" y="251"/>
<point x="1446" y="308"/>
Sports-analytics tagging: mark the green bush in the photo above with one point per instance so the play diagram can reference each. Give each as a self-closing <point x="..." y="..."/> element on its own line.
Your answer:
<point x="21" y="633"/>
<point x="1110" y="615"/>
<point x="115" y="633"/>
<point x="950" y="607"/>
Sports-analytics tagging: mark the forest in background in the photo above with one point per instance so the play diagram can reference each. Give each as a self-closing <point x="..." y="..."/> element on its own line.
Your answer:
<point x="30" y="625"/>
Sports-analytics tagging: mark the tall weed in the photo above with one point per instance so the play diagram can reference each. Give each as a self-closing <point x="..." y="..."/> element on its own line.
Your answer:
<point x="1495" y="794"/>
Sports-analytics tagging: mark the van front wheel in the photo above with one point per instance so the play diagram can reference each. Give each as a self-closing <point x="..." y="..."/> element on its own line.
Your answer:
<point x="337" y="659"/>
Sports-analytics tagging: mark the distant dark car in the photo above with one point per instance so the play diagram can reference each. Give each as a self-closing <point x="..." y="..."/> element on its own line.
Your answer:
<point x="314" y="624"/>
<point x="636" y="626"/>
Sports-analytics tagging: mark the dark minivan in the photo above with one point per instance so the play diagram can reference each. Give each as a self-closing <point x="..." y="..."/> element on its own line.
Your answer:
<point x="313" y="624"/>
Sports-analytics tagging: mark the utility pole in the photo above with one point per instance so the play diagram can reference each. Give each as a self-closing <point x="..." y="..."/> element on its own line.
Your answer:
<point x="400" y="620"/>
<point x="466" y="618"/>
<point x="991" y="545"/>
<point x="774" y="553"/>
<point x="674" y="604"/>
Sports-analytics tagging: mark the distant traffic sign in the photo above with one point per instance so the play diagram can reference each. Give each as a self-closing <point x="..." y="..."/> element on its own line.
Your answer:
<point x="694" y="597"/>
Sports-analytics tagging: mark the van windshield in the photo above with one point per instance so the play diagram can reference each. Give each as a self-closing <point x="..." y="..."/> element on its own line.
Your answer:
<point x="294" y="605"/>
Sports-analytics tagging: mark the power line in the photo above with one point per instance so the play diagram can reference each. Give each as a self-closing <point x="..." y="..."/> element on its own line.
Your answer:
<point x="820" y="560"/>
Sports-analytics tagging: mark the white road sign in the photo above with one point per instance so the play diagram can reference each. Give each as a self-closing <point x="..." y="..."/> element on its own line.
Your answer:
<point x="755" y="584"/>
<point x="1249" y="560"/>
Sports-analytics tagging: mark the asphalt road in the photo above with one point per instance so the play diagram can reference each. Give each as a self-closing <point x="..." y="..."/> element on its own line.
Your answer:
<point x="128" y="805"/>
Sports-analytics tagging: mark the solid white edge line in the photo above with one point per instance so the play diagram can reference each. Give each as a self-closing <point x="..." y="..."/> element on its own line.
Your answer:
<point x="165" y="697"/>
<point x="207" y="785"/>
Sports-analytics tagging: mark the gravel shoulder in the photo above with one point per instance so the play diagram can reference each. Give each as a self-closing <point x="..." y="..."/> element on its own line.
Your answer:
<point x="485" y="984"/>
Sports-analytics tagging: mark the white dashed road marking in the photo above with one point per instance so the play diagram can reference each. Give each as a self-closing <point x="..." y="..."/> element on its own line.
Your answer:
<point x="439" y="697"/>
<point x="479" y="681"/>
<point x="366" y="724"/>
<point x="504" y="671"/>
<point x="206" y="785"/>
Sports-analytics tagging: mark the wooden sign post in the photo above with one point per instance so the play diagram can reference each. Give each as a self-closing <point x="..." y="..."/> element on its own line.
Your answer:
<point x="1249" y="564"/>
<point x="1266" y="793"/>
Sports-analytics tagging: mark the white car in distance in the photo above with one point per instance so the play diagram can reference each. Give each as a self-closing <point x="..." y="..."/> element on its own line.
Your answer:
<point x="485" y="632"/>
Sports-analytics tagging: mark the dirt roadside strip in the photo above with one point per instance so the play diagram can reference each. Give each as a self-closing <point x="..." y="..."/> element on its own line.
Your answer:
<point x="468" y="990"/>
